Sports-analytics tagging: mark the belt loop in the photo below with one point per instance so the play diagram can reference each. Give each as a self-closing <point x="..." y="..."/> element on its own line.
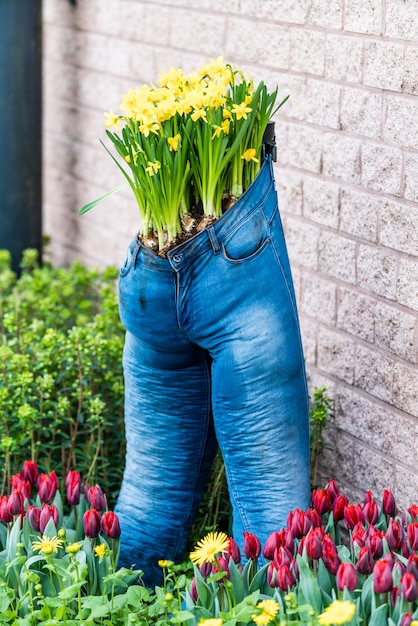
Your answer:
<point x="213" y="240"/>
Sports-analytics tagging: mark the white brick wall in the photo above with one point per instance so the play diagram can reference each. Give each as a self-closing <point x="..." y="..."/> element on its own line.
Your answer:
<point x="347" y="176"/>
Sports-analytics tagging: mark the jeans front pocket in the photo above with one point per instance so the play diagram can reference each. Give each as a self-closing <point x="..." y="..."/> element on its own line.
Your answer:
<point x="130" y="257"/>
<point x="248" y="239"/>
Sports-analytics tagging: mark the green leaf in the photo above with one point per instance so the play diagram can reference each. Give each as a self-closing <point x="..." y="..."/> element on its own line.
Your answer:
<point x="92" y="204"/>
<point x="308" y="585"/>
<point x="4" y="600"/>
<point x="379" y="616"/>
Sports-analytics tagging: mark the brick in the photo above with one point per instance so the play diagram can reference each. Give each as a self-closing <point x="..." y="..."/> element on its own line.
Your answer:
<point x="338" y="456"/>
<point x="359" y="214"/>
<point x="155" y="23"/>
<point x="290" y="192"/>
<point x="378" y="427"/>
<point x="400" y="22"/>
<point x="400" y="127"/>
<point x="411" y="178"/>
<point x="381" y="168"/>
<point x="361" y="112"/>
<point x="105" y="18"/>
<point x="308" y="333"/>
<point x="383" y="62"/>
<point x="282" y="143"/>
<point x="363" y="16"/>
<point x="341" y="157"/>
<point x="372" y="471"/>
<point x="343" y="58"/>
<point x="103" y="54"/>
<point x="337" y="257"/>
<point x="322" y="103"/>
<point x="61" y="44"/>
<point x="321" y="201"/>
<point x="325" y="15"/>
<point x="292" y="12"/>
<point x="407" y="481"/>
<point x="405" y="385"/>
<point x="318" y="298"/>
<point x="407" y="287"/>
<point x="410" y="71"/>
<point x="61" y="13"/>
<point x="374" y="373"/>
<point x="307" y="52"/>
<point x="356" y="314"/>
<point x="395" y="331"/>
<point x="305" y="147"/>
<point x="399" y="227"/>
<point x="376" y="271"/>
<point x="187" y="27"/>
<point x="269" y="45"/>
<point x="336" y="354"/>
<point x="295" y="87"/>
<point x="302" y="242"/>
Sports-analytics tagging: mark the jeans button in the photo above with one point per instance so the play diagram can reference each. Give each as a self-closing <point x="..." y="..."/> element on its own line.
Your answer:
<point x="177" y="258"/>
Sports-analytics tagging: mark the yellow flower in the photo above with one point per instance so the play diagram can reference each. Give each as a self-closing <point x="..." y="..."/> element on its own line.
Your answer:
<point x="153" y="167"/>
<point x="100" y="550"/>
<point x="338" y="612"/>
<point x="217" y="130"/>
<point x="128" y="158"/>
<point x="268" y="611"/>
<point x="212" y="621"/>
<point x="47" y="545"/>
<point x="73" y="548"/>
<point x="111" y="119"/>
<point x="199" y="114"/>
<point x="149" y="126"/>
<point x="225" y="126"/>
<point x="174" y="142"/>
<point x="164" y="563"/>
<point x="241" y="110"/>
<point x="249" y="155"/>
<point x="208" y="547"/>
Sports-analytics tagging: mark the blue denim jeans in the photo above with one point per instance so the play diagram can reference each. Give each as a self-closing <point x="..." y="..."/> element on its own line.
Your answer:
<point x="212" y="355"/>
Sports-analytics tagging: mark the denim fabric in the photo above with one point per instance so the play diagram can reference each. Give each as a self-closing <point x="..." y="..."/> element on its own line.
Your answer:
<point x="212" y="354"/>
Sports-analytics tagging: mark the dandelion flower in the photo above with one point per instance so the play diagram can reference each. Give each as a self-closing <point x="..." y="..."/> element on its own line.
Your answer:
<point x="47" y="545"/>
<point x="164" y="563"/>
<point x="73" y="548"/>
<point x="208" y="547"/>
<point x="100" y="551"/>
<point x="338" y="612"/>
<point x="268" y="611"/>
<point x="212" y="621"/>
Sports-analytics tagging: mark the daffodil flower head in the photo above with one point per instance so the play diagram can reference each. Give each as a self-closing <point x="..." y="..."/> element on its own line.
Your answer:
<point x="174" y="142"/>
<point x="111" y="119"/>
<point x="153" y="167"/>
<point x="241" y="110"/>
<point x="249" y="155"/>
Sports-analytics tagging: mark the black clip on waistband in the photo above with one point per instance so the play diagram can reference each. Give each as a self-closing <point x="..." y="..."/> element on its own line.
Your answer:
<point x="269" y="143"/>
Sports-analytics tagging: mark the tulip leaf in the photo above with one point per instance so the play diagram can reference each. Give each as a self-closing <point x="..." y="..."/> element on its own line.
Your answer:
<point x="367" y="595"/>
<point x="308" y="585"/>
<point x="4" y="600"/>
<point x="324" y="579"/>
<point x="258" y="579"/>
<point x="379" y="616"/>
<point x="237" y="582"/>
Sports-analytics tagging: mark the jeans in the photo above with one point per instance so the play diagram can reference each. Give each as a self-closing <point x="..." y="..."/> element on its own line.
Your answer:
<point x="212" y="356"/>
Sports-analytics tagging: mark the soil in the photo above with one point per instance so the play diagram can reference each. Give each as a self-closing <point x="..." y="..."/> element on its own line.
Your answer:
<point x="192" y="224"/>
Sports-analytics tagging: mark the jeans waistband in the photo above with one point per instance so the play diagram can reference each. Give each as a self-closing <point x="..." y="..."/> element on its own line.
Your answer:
<point x="214" y="235"/>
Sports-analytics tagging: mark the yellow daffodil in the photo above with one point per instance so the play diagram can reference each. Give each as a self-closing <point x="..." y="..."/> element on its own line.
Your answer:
<point x="249" y="155"/>
<point x="338" y="612"/>
<point x="208" y="547"/>
<point x="174" y="142"/>
<point x="268" y="610"/>
<point x="217" y="130"/>
<point x="149" y="126"/>
<point x="47" y="545"/>
<point x="153" y="167"/>
<point x="111" y="119"/>
<point x="100" y="551"/>
<point x="199" y="114"/>
<point x="241" y="110"/>
<point x="225" y="126"/>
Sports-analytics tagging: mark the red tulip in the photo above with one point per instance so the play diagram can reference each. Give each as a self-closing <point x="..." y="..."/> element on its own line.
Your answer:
<point x="33" y="514"/>
<point x="91" y="523"/>
<point x="412" y="565"/>
<point x="110" y="525"/>
<point x="73" y="486"/>
<point x="330" y="556"/>
<point x="371" y="512"/>
<point x="394" y="535"/>
<point x="233" y="551"/>
<point x="273" y="542"/>
<point x="338" y="506"/>
<point x="368" y="497"/>
<point x="48" y="512"/>
<point x="284" y="578"/>
<point x="20" y="484"/>
<point x="222" y="566"/>
<point x="30" y="472"/>
<point x="205" y="569"/>
<point x="412" y="534"/>
<point x="346" y="577"/>
<point x="282" y="556"/>
<point x="272" y="574"/>
<point x="314" y="518"/>
<point x="48" y="485"/>
<point x="358" y="535"/>
<point x="409" y="587"/>
<point x="333" y="491"/>
<point x="252" y="546"/>
<point x="96" y="498"/>
<point x="413" y="511"/>
<point x="193" y="591"/>
<point x="300" y="523"/>
<point x="15" y="502"/>
<point x="389" y="505"/>
<point x="382" y="577"/>
<point x="375" y="543"/>
<point x="365" y="561"/>
<point x="321" y="501"/>
<point x="5" y="515"/>
<point x="406" y="620"/>
<point x="353" y="514"/>
<point x="313" y="543"/>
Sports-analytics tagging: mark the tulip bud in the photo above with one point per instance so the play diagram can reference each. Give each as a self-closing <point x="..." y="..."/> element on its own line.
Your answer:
<point x="222" y="566"/>
<point x="272" y="574"/>
<point x="294" y="569"/>
<point x="371" y="512"/>
<point x="353" y="514"/>
<point x="193" y="591"/>
<point x="48" y="512"/>
<point x="365" y="561"/>
<point x="314" y="518"/>
<point x="358" y="535"/>
<point x="30" y="472"/>
<point x="346" y="577"/>
<point x="412" y="534"/>
<point x="91" y="523"/>
<point x="20" y="484"/>
<point x="252" y="546"/>
<point x="389" y="505"/>
<point x="409" y="587"/>
<point x="5" y="515"/>
<point x="394" y="535"/>
<point x="284" y="578"/>
<point x="33" y="514"/>
<point x="413" y="512"/>
<point x="96" y="498"/>
<point x="394" y="594"/>
<point x="205" y="569"/>
<point x="375" y="543"/>
<point x="330" y="556"/>
<point x="48" y="485"/>
<point x="321" y="501"/>
<point x="110" y="525"/>
<point x="382" y="577"/>
<point x="313" y="543"/>
<point x="412" y="565"/>
<point x="233" y="551"/>
<point x="333" y="491"/>
<point x="338" y="506"/>
<point x="73" y="485"/>
<point x="406" y="620"/>
<point x="15" y="502"/>
<point x="368" y="497"/>
<point x="271" y="544"/>
<point x="282" y="556"/>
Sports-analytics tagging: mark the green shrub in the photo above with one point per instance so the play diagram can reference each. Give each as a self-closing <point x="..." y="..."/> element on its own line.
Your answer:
<point x="61" y="384"/>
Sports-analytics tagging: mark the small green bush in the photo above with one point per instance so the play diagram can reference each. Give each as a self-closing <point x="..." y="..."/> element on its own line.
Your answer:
<point x="61" y="383"/>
